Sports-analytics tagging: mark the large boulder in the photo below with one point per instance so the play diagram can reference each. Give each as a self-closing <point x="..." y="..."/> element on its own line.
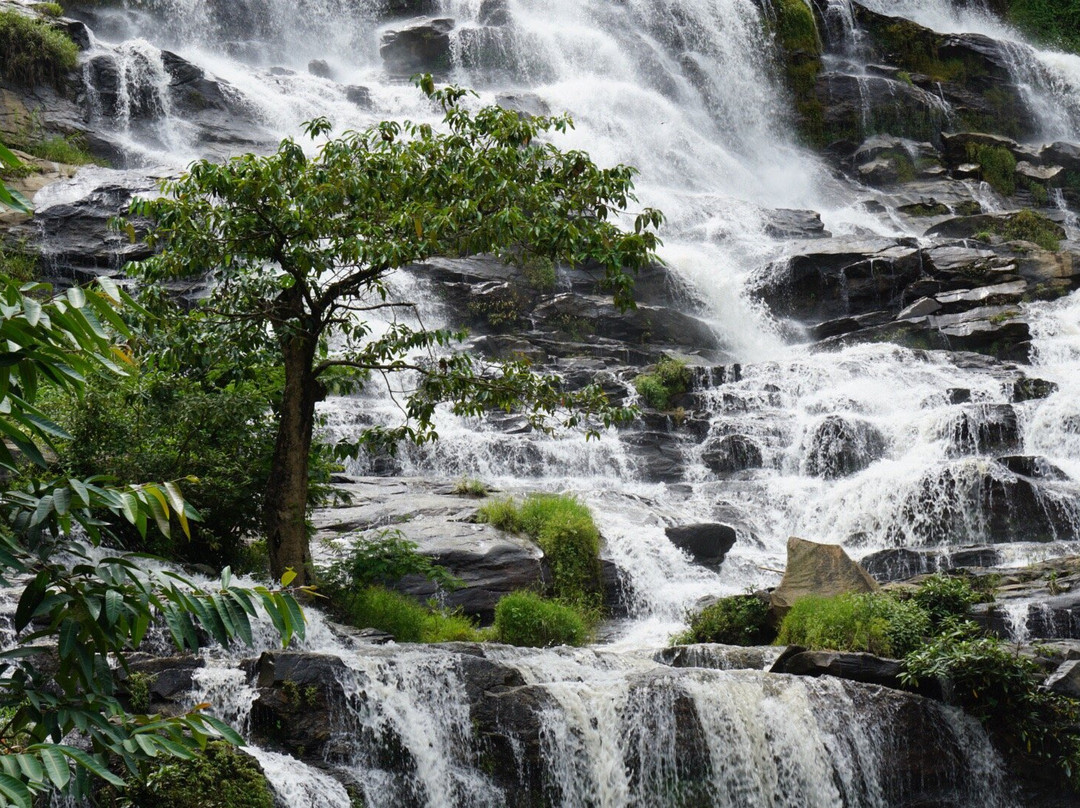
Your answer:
<point x="422" y="46"/>
<point x="840" y="446"/>
<point x="824" y="570"/>
<point x="857" y="667"/>
<point x="731" y="453"/>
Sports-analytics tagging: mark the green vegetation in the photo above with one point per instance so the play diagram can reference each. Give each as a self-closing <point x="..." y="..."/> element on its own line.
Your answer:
<point x="49" y="9"/>
<point x="1052" y="22"/>
<point x="32" y="52"/>
<point x="219" y="778"/>
<point x="97" y="610"/>
<point x="945" y="597"/>
<point x="877" y="624"/>
<point x="564" y="529"/>
<point x="793" y="26"/>
<point x="69" y="149"/>
<point x="18" y="265"/>
<point x="356" y="585"/>
<point x="1027" y="225"/>
<point x="525" y="618"/>
<point x="295" y="241"/>
<point x="470" y="487"/>
<point x="737" y="620"/>
<point x="991" y="681"/>
<point x="669" y="378"/>
<point x="997" y="166"/>
<point x="10" y="198"/>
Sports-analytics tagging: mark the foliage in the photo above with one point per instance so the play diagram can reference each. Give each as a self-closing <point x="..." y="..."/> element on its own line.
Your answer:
<point x="1054" y="22"/>
<point x="736" y="620"/>
<point x="17" y="265"/>
<point x="32" y="52"/>
<point x="563" y="527"/>
<point x="1001" y="688"/>
<point x="67" y="149"/>
<point x="400" y="615"/>
<point x="161" y="422"/>
<point x="91" y="607"/>
<point x="943" y="597"/>
<point x="384" y="559"/>
<point x="1027" y="225"/>
<point x="997" y="166"/>
<point x="795" y="27"/>
<point x="9" y="197"/>
<point x="301" y="248"/>
<point x="470" y="487"/>
<point x="874" y="623"/>
<point x="220" y="778"/>
<point x="668" y="379"/>
<point x="527" y="619"/>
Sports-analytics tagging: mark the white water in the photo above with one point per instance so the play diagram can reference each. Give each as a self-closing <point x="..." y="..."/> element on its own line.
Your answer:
<point x="685" y="90"/>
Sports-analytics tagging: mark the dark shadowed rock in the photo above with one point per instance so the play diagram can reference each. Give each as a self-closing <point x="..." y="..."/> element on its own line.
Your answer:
<point x="422" y="46"/>
<point x="731" y="453"/>
<point x="856" y="667"/>
<point x="840" y="446"/>
<point x="708" y="543"/>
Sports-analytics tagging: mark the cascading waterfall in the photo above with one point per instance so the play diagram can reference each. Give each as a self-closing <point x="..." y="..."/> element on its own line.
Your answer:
<point x="686" y="90"/>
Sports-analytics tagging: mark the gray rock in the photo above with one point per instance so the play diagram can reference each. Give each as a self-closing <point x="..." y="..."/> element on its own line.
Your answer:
<point x="855" y="667"/>
<point x="731" y="453"/>
<point x="423" y="46"/>
<point x="840" y="446"/>
<point x="1065" y="681"/>
<point x="920" y="308"/>
<point x="817" y="569"/>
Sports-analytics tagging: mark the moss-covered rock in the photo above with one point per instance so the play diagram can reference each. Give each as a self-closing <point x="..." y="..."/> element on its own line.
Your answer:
<point x="33" y="52"/>
<point x="221" y="777"/>
<point x="795" y="31"/>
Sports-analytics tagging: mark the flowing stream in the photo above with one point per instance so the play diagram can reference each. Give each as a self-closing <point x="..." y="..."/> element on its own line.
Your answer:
<point x="689" y="92"/>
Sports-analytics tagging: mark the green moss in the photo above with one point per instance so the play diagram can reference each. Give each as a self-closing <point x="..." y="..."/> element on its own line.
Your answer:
<point x="997" y="166"/>
<point x="409" y="621"/>
<point x="48" y="9"/>
<point x="1027" y="225"/>
<point x="564" y="529"/>
<point x="794" y="29"/>
<point x="18" y="265"/>
<point x="32" y="52"/>
<point x="925" y="209"/>
<point x="525" y="618"/>
<point x="221" y="777"/>
<point x="737" y="620"/>
<point x="669" y="378"/>
<point x="1051" y="22"/>
<point x="470" y="487"/>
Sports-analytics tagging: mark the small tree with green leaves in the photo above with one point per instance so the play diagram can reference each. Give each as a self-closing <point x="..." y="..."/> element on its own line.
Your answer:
<point x="301" y="248"/>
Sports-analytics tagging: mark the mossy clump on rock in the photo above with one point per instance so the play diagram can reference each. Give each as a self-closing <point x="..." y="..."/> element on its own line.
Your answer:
<point x="668" y="378"/>
<point x="795" y="29"/>
<point x="221" y="777"/>
<point x="527" y="619"/>
<point x="997" y="166"/>
<point x="32" y="52"/>
<point x="736" y="620"/>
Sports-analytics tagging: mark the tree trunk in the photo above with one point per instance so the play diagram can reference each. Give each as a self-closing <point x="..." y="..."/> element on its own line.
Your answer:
<point x="287" y="488"/>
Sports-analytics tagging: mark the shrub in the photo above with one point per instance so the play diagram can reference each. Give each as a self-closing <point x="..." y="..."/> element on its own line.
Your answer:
<point x="62" y="149"/>
<point x="384" y="559"/>
<point x="1001" y="688"/>
<point x="998" y="166"/>
<point x="943" y="597"/>
<point x="1054" y="22"/>
<point x="525" y="618"/>
<point x="32" y="52"/>
<point x="1027" y="225"/>
<point x="877" y="624"/>
<point x="737" y="620"/>
<point x="470" y="487"/>
<point x="669" y="378"/>
<point x="564" y="529"/>
<point x="221" y="777"/>
<point x="18" y="265"/>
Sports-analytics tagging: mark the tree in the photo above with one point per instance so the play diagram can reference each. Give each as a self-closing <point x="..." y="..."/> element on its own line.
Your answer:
<point x="300" y="249"/>
<point x="81" y="609"/>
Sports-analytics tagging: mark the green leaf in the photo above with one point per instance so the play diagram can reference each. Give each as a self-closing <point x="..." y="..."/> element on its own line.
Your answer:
<point x="56" y="766"/>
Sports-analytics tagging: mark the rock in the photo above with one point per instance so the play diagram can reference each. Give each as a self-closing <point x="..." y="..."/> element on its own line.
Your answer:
<point x="971" y="226"/>
<point x="999" y="331"/>
<point x="1038" y="468"/>
<point x="423" y="46"/>
<point x="901" y="563"/>
<point x="920" y="308"/>
<point x="1030" y="389"/>
<point x="191" y="90"/>
<point x="855" y="667"/>
<point x="731" y="453"/>
<point x="409" y="8"/>
<point x="361" y="96"/>
<point x="320" y="68"/>
<point x="1065" y="681"/>
<point x="823" y="570"/>
<point x="841" y="446"/>
<point x="300" y="696"/>
<point x="791" y="224"/>
<point x="984" y="429"/>
<point x="719" y="657"/>
<point x="708" y="543"/>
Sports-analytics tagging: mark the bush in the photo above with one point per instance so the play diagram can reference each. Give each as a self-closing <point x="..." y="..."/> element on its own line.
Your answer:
<point x="32" y="52"/>
<point x="60" y="149"/>
<point x="670" y="378"/>
<point x="564" y="529"/>
<point x="876" y="624"/>
<point x="221" y="777"/>
<point x="1053" y="22"/>
<point x="998" y="166"/>
<point x="525" y="618"/>
<point x="1001" y="688"/>
<point x="1027" y="225"/>
<point x="384" y="559"/>
<point x="738" y="620"/>
<point x="943" y="597"/>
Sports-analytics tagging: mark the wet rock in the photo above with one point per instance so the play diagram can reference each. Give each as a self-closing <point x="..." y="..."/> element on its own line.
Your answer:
<point x="1038" y="468"/>
<point x="984" y="429"/>
<point x="169" y="680"/>
<point x="719" y="657"/>
<point x="1032" y="389"/>
<point x="856" y="667"/>
<point x="423" y="46"/>
<point x="191" y="90"/>
<point x="1065" y="681"/>
<point x="841" y="446"/>
<point x="299" y="696"/>
<point x="824" y="570"/>
<point x="731" y="453"/>
<point x="998" y="331"/>
<point x="901" y="563"/>
<point x="784" y="223"/>
<point x="708" y="543"/>
<point x="361" y="96"/>
<point x="409" y="8"/>
<point x="320" y="68"/>
<point x="971" y="226"/>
